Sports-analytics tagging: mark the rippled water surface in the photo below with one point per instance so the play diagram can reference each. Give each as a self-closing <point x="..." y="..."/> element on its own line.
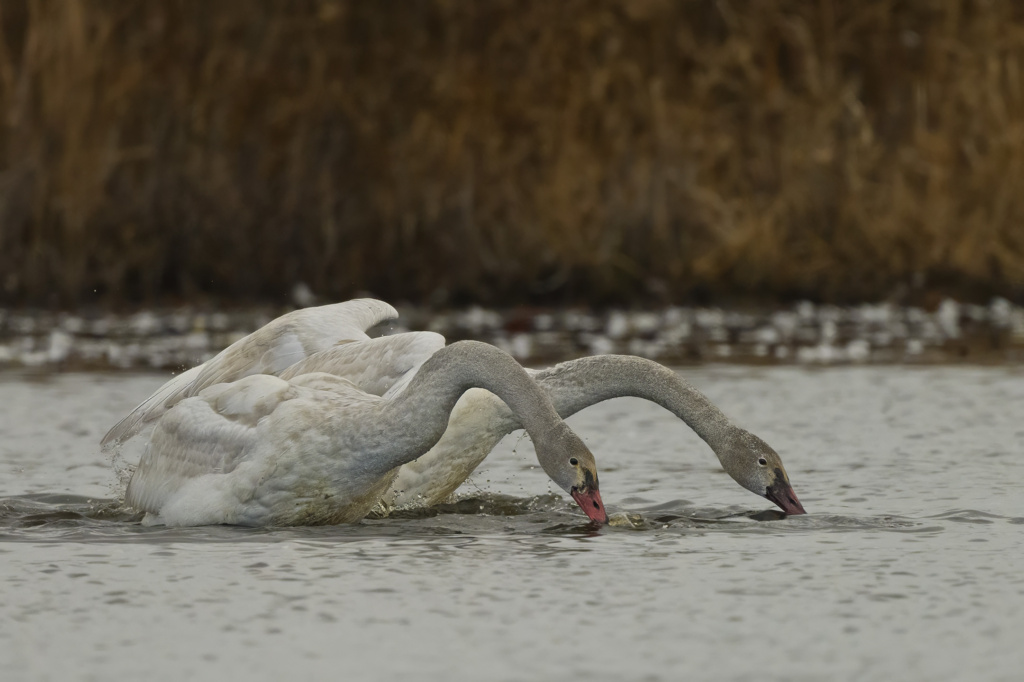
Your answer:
<point x="909" y="565"/>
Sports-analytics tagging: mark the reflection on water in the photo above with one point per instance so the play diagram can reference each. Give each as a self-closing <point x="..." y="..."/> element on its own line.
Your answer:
<point x="906" y="567"/>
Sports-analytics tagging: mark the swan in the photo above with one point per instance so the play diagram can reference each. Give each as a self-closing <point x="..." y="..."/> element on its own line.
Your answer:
<point x="480" y="420"/>
<point x="332" y="339"/>
<point x="315" y="449"/>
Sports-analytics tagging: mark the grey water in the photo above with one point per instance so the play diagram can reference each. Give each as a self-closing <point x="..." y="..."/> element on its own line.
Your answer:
<point x="908" y="565"/>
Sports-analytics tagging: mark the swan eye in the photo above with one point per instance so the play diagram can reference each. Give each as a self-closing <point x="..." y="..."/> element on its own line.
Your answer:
<point x="573" y="461"/>
<point x="762" y="461"/>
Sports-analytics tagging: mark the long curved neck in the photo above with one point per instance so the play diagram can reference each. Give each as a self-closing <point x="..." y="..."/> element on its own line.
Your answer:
<point x="577" y="384"/>
<point x="416" y="419"/>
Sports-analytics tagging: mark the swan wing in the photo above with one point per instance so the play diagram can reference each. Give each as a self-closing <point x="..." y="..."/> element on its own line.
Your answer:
<point x="152" y="407"/>
<point x="269" y="350"/>
<point x="218" y="432"/>
<point x="293" y="337"/>
<point x="375" y="366"/>
<point x="205" y="434"/>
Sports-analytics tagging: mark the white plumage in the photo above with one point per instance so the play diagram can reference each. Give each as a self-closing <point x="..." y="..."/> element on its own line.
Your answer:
<point x="271" y="349"/>
<point x="332" y="340"/>
<point x="262" y="451"/>
<point x="313" y="448"/>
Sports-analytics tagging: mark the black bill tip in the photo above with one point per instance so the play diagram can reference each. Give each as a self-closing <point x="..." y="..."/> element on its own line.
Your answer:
<point x="781" y="493"/>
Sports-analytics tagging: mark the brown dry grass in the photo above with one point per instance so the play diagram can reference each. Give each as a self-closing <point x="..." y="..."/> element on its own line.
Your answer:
<point x="507" y="151"/>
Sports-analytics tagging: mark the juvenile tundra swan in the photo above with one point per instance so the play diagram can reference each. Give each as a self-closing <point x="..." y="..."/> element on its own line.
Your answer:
<point x="315" y="449"/>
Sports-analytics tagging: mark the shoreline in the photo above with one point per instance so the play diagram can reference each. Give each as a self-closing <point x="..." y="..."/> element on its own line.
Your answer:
<point x="801" y="334"/>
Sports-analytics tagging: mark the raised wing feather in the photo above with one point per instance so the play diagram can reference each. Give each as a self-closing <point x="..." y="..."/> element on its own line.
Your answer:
<point x="375" y="366"/>
<point x="290" y="338"/>
<point x="269" y="350"/>
<point x="152" y="407"/>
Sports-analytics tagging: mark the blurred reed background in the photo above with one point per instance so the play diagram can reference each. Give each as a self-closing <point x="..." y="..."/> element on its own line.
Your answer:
<point x="505" y="152"/>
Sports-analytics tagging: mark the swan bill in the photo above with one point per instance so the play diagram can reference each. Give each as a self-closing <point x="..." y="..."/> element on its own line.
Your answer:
<point x="590" y="502"/>
<point x="781" y="493"/>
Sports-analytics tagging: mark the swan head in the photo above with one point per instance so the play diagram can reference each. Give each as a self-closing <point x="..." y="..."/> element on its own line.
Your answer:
<point x="571" y="465"/>
<point x="757" y="467"/>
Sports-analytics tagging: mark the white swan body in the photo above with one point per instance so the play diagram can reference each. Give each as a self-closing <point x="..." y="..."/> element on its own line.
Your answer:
<point x="260" y="451"/>
<point x="316" y="449"/>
